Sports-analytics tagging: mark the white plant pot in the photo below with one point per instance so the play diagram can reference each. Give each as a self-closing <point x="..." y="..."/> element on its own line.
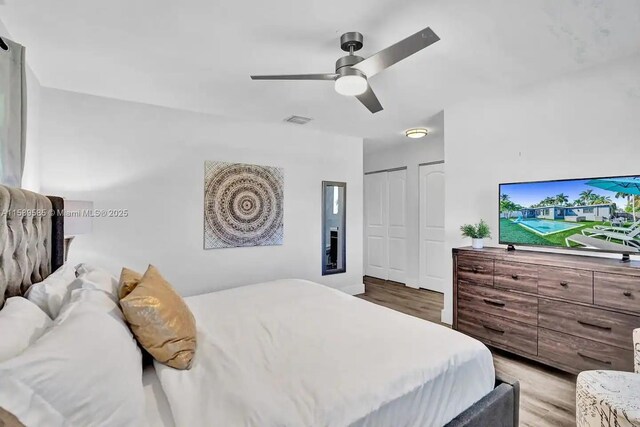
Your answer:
<point x="477" y="243"/>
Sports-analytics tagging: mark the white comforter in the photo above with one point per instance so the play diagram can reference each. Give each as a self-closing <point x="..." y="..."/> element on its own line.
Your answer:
<point x="296" y="353"/>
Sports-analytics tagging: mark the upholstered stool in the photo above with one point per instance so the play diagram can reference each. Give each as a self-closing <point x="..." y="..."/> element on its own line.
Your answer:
<point x="609" y="398"/>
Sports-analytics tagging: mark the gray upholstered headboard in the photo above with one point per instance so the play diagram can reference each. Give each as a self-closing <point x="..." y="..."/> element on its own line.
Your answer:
<point x="31" y="239"/>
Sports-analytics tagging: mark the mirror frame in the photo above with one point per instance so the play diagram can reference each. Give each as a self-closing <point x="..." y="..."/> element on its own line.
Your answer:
<point x="325" y="271"/>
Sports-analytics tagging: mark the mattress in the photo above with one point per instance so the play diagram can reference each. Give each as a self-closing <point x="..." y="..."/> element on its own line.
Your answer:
<point x="296" y="353"/>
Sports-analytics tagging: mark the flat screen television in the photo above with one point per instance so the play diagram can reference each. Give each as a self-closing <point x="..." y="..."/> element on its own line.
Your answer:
<point x="597" y="214"/>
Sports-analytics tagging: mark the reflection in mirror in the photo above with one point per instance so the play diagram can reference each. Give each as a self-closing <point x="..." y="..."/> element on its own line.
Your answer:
<point x="334" y="218"/>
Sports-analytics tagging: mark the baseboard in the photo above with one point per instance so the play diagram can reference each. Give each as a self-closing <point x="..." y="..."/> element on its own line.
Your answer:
<point x="410" y="283"/>
<point x="446" y="316"/>
<point x="354" y="289"/>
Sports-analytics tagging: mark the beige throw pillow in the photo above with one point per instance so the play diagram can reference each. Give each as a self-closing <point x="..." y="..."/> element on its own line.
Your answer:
<point x="7" y="419"/>
<point x="161" y="320"/>
<point x="129" y="279"/>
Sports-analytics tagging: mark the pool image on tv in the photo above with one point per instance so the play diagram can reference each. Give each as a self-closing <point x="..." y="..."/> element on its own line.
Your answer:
<point x="597" y="214"/>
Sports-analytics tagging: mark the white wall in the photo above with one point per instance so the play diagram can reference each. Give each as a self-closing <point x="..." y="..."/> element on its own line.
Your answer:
<point x="581" y="125"/>
<point x="150" y="160"/>
<point x="31" y="173"/>
<point x="411" y="153"/>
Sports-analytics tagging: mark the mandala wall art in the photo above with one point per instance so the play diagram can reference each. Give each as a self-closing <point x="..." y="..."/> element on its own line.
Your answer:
<point x="243" y="205"/>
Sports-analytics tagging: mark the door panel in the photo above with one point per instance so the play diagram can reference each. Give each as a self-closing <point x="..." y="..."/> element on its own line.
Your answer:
<point x="397" y="198"/>
<point x="397" y="246"/>
<point x="397" y="259"/>
<point x="432" y="247"/>
<point x="375" y="194"/>
<point x="376" y="252"/>
<point x="376" y="225"/>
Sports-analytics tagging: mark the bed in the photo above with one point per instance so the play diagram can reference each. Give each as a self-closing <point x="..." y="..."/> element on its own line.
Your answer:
<point x="293" y="353"/>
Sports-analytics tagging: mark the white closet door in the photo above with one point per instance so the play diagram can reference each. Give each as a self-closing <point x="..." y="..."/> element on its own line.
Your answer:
<point x="397" y="231"/>
<point x="376" y="225"/>
<point x="432" y="247"/>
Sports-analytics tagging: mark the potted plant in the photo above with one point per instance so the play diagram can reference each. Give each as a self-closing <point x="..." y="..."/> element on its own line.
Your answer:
<point x="477" y="233"/>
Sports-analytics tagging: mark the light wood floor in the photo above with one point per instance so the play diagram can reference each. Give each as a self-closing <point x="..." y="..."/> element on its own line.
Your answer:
<point x="547" y="395"/>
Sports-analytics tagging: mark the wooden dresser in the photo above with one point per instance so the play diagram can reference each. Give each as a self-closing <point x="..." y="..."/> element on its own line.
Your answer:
<point x="572" y="312"/>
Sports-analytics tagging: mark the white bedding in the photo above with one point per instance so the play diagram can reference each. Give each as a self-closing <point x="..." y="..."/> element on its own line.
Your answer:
<point x="295" y="353"/>
<point x="157" y="407"/>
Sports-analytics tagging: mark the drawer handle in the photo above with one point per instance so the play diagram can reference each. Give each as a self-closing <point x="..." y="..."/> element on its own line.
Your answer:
<point x="564" y="284"/>
<point x="627" y="293"/>
<point x="584" y="356"/>
<point x="491" y="328"/>
<point x="593" y="325"/>
<point x="515" y="277"/>
<point x="495" y="302"/>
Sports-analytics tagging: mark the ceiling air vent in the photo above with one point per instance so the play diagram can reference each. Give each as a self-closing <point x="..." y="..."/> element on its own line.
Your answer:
<point x="297" y="120"/>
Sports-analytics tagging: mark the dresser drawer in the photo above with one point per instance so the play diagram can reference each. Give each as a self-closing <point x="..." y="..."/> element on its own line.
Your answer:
<point x="475" y="270"/>
<point x="574" y="285"/>
<point x="499" y="331"/>
<point x="502" y="303"/>
<point x="617" y="291"/>
<point x="578" y="354"/>
<point x="513" y="275"/>
<point x="607" y="327"/>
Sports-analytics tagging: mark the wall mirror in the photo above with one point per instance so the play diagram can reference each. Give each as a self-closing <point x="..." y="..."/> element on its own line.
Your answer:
<point x="334" y="220"/>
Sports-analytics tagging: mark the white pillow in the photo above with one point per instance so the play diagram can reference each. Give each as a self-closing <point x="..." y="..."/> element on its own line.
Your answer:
<point x="21" y="324"/>
<point x="97" y="278"/>
<point x="50" y="294"/>
<point x="87" y="370"/>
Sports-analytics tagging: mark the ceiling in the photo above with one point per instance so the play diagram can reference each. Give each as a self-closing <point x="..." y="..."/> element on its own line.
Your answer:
<point x="198" y="54"/>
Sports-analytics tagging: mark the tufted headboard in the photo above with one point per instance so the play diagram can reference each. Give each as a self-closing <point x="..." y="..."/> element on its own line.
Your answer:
<point x="31" y="239"/>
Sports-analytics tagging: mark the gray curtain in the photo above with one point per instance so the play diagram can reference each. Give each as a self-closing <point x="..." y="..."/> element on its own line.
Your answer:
<point x="13" y="109"/>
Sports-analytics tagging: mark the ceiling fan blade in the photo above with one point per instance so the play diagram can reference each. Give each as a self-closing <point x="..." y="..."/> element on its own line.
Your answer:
<point x="397" y="52"/>
<point x="328" y="76"/>
<point x="370" y="100"/>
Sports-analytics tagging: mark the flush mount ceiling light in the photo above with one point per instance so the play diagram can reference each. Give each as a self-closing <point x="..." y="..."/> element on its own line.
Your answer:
<point x="416" y="133"/>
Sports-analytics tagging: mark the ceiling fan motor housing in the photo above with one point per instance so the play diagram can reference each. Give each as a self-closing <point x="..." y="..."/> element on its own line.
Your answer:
<point x="351" y="41"/>
<point x="347" y="61"/>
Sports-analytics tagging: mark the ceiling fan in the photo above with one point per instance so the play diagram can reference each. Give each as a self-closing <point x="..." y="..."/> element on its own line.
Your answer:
<point x="352" y="71"/>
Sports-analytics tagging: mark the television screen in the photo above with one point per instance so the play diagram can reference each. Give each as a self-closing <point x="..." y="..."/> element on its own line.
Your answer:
<point x="601" y="214"/>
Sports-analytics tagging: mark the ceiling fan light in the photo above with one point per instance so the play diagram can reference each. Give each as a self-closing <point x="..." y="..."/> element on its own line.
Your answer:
<point x="351" y="85"/>
<point x="416" y="133"/>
